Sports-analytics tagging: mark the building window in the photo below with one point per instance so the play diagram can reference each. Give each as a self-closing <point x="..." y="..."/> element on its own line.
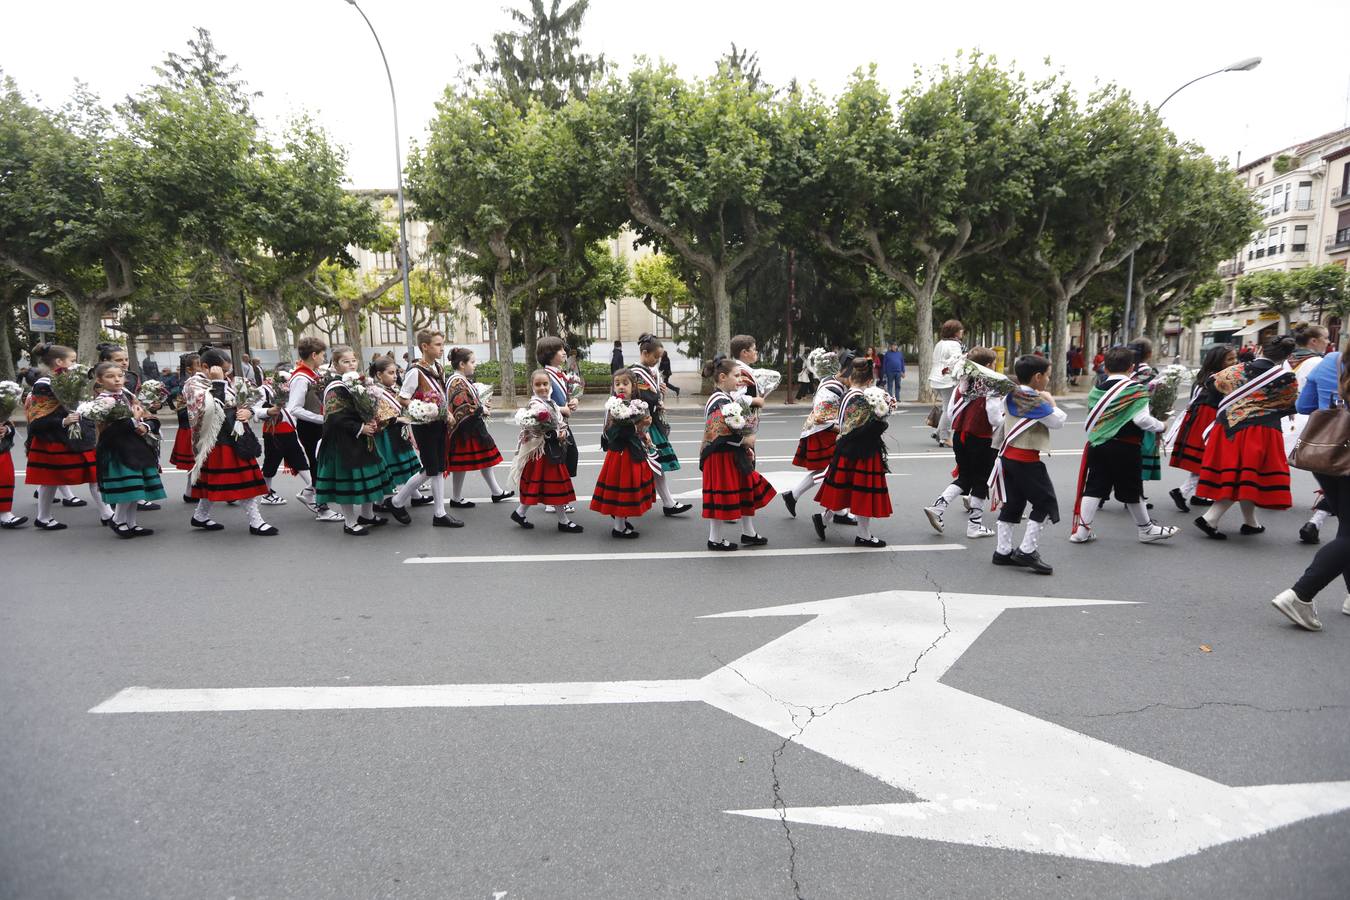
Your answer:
<point x="1304" y="195"/>
<point x="1300" y="238"/>
<point x="486" y="328"/>
<point x="389" y="329"/>
<point x="600" y="330"/>
<point x="681" y="315"/>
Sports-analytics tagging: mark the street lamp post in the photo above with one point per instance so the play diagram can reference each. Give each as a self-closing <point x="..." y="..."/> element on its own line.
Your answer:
<point x="402" y="217"/>
<point x="1242" y="65"/>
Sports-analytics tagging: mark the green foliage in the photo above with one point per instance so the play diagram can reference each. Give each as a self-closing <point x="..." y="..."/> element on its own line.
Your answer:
<point x="1284" y="163"/>
<point x="596" y="374"/>
<point x="541" y="60"/>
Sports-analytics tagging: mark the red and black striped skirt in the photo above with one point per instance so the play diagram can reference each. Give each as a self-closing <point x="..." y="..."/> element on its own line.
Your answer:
<point x="1250" y="465"/>
<point x="857" y="484"/>
<point x="6" y="482"/>
<point x="1188" y="451"/>
<point x="52" y="462"/>
<point x="544" y="483"/>
<point x="729" y="493"/>
<point x="228" y="476"/>
<point x="815" y="451"/>
<point x="624" y="487"/>
<point x="469" y="451"/>
<point x="182" y="456"/>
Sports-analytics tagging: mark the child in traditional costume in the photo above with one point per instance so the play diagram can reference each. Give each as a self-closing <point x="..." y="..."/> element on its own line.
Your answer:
<point x="732" y="489"/>
<point x="304" y="408"/>
<point x="225" y="465"/>
<point x="1186" y="437"/>
<point x="128" y="464"/>
<point x="975" y="409"/>
<point x="350" y="472"/>
<point x="1150" y="445"/>
<point x="624" y="488"/>
<point x="58" y="453"/>
<point x="856" y="477"/>
<point x="651" y="390"/>
<point x="425" y="382"/>
<point x="564" y="388"/>
<point x="131" y="386"/>
<point x="1118" y="419"/>
<point x="393" y="441"/>
<point x="820" y="431"/>
<point x="1244" y="459"/>
<point x="745" y="353"/>
<point x="181" y="456"/>
<point x="1020" y="477"/>
<point x="7" y="430"/>
<point x="540" y="468"/>
<point x="280" y="441"/>
<point x="471" y="447"/>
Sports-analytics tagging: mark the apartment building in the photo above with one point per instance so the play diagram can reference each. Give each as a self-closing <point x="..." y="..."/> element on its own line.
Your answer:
<point x="1302" y="191"/>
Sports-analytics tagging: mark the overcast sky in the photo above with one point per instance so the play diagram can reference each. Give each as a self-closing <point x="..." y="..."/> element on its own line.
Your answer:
<point x="316" y="56"/>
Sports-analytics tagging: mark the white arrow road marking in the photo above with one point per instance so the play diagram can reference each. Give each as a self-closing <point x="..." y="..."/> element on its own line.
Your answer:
<point x="988" y="775"/>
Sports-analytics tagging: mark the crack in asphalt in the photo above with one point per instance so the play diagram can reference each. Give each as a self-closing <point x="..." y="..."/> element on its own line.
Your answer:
<point x="813" y="713"/>
<point x="1180" y="707"/>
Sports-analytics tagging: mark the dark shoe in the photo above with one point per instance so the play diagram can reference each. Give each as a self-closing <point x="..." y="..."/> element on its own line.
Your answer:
<point x="754" y="540"/>
<point x="1003" y="559"/>
<point x="570" y="528"/>
<point x="266" y="530"/>
<point x="462" y="504"/>
<point x="504" y="495"/>
<point x="1252" y="529"/>
<point x="147" y="506"/>
<point x="1308" y="534"/>
<point x="1209" y="530"/>
<point x="626" y="535"/>
<point x="188" y="499"/>
<point x="447" y="521"/>
<point x="123" y="531"/>
<point x="106" y="523"/>
<point x="49" y="525"/>
<point x="722" y="545"/>
<point x="357" y="530"/>
<point x="382" y="507"/>
<point x="1179" y="499"/>
<point x="139" y="531"/>
<point x="819" y="522"/>
<point x="841" y="519"/>
<point x="400" y="514"/>
<point x="520" y="520"/>
<point x="208" y="525"/>
<point x="373" y="521"/>
<point x="1032" y="561"/>
<point x="677" y="509"/>
<point x="75" y="501"/>
<point x="16" y="522"/>
<point x="868" y="542"/>
<point x="421" y="501"/>
<point x="1201" y="501"/>
<point x="791" y="503"/>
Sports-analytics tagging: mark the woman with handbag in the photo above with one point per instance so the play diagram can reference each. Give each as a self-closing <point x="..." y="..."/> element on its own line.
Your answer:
<point x="942" y="379"/>
<point x="1324" y="449"/>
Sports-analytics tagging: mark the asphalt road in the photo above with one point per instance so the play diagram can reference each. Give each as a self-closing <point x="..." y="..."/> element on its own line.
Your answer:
<point x="620" y="799"/>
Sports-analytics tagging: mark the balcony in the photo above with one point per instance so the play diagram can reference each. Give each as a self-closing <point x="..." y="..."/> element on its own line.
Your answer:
<point x="1232" y="269"/>
<point x="1340" y="241"/>
<point x="1340" y="196"/>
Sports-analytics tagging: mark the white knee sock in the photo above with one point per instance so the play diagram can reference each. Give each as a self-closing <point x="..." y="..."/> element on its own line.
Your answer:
<point x="46" y="494"/>
<point x="405" y="493"/>
<point x="864" y="526"/>
<point x="1215" y="512"/>
<point x="800" y="488"/>
<point x="438" y="495"/>
<point x="348" y="514"/>
<point x="120" y="513"/>
<point x="306" y="480"/>
<point x="1087" y="510"/>
<point x="748" y="526"/>
<point x="715" y="530"/>
<point x="1140" y="514"/>
<point x="1318" y="517"/>
<point x="253" y="512"/>
<point x="948" y="496"/>
<point x="457" y="486"/>
<point x="620" y="523"/>
<point x="368" y="510"/>
<point x="490" y="477"/>
<point x="1249" y="513"/>
<point x="1189" y="485"/>
<point x="1031" y="538"/>
<point x="104" y="510"/>
<point x="976" y="515"/>
<point x="561" y="510"/>
<point x="65" y="492"/>
<point x="663" y="491"/>
<point x="203" y="511"/>
<point x="130" y="517"/>
<point x="522" y="510"/>
<point x="1005" y="537"/>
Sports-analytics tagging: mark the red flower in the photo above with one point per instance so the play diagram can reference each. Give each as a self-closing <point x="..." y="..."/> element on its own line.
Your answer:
<point x="543" y="415"/>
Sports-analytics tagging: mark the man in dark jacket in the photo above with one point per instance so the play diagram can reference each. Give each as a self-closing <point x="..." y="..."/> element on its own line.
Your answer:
<point x="616" y="361"/>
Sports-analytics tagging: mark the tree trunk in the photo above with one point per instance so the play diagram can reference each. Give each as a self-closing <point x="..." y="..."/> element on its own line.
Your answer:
<point x="351" y="324"/>
<point x="91" y="323"/>
<point x="1024" y="326"/>
<point x="721" y="302"/>
<point x="276" y="311"/>
<point x="1059" y="343"/>
<point x="504" y="335"/>
<point x="132" y="334"/>
<point x="529" y="324"/>
<point x="554" y="320"/>
<point x="923" y="335"/>
<point x="6" y="354"/>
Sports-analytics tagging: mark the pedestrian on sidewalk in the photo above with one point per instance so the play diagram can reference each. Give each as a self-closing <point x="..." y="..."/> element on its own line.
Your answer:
<point x="942" y="376"/>
<point x="665" y="373"/>
<point x="1320" y="391"/>
<point x="893" y="369"/>
<point x="616" y="358"/>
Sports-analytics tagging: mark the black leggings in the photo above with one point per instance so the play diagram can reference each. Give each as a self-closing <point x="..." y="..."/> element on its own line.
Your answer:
<point x="1334" y="556"/>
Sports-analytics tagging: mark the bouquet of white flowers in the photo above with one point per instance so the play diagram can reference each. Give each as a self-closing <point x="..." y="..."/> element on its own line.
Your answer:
<point x="536" y="418"/>
<point x="363" y="400"/>
<point x="620" y="409"/>
<point x="881" y="402"/>
<point x="1163" y="390"/>
<point x="982" y="381"/>
<point x="733" y="414"/>
<point x="484" y="391"/>
<point x="766" y="380"/>
<point x="822" y="363"/>
<point x="420" y="412"/>
<point x="576" y="386"/>
<point x="10" y="395"/>
<point x="152" y="394"/>
<point x="103" y="410"/>
<point x="71" y="387"/>
<point x="246" y="396"/>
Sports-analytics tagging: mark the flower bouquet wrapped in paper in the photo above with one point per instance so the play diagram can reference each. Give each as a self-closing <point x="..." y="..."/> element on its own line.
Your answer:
<point x="981" y="381"/>
<point x="10" y="395"/>
<point x="246" y="396"/>
<point x="882" y="403"/>
<point x="1163" y="390"/>
<point x="103" y="410"/>
<point x="766" y="380"/>
<point x="822" y="363"/>
<point x="420" y="412"/>
<point x="280" y="384"/>
<point x="152" y="394"/>
<point x="485" y="391"/>
<point x="71" y="387"/>
<point x="536" y="419"/>
<point x="576" y="386"/>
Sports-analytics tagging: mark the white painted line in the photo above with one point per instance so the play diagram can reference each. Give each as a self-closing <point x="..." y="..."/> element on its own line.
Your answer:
<point x="674" y="554"/>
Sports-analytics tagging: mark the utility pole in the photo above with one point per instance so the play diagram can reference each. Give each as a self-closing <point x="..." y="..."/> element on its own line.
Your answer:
<point x="791" y="304"/>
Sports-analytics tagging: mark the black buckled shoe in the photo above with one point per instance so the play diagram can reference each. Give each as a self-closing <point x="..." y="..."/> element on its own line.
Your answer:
<point x="1252" y="529"/>
<point x="265" y="530"/>
<point x="504" y="495"/>
<point x="570" y="528"/>
<point x="49" y="525"/>
<point x="16" y="522"/>
<point x="677" y="509"/>
<point x="868" y="542"/>
<point x="521" y="520"/>
<point x="1179" y="499"/>
<point x="1308" y="534"/>
<point x="123" y="531"/>
<point x="74" y="502"/>
<point x="400" y="514"/>
<point x="462" y="504"/>
<point x="357" y="530"/>
<point x="627" y="534"/>
<point x="819" y="522"/>
<point x="419" y="500"/>
<point x="754" y="540"/>
<point x="372" y="521"/>
<point x="841" y="519"/>
<point x="1209" y="530"/>
<point x="722" y="545"/>
<point x="141" y="531"/>
<point x="446" y="521"/>
<point x="207" y="524"/>
<point x="791" y="503"/>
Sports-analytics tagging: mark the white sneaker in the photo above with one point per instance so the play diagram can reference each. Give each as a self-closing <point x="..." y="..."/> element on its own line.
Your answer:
<point x="934" y="514"/>
<point x="326" y="514"/>
<point x="1302" y="614"/>
<point x="1156" y="532"/>
<point x="1082" y="535"/>
<point x="978" y="531"/>
<point x="549" y="509"/>
<point x="570" y="508"/>
<point x="308" y="500"/>
<point x="1345" y="607"/>
<point x="272" y="498"/>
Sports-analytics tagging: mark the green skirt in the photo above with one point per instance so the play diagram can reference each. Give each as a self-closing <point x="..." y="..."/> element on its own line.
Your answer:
<point x="401" y="466"/>
<point x="120" y="484"/>
<point x="1152" y="457"/>
<point x="335" y="482"/>
<point x="665" y="454"/>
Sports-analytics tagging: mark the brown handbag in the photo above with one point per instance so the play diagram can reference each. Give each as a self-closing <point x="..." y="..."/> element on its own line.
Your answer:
<point x="1324" y="445"/>
<point x="934" y="416"/>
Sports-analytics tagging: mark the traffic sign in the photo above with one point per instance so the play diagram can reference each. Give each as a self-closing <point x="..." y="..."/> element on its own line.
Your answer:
<point x="41" y="314"/>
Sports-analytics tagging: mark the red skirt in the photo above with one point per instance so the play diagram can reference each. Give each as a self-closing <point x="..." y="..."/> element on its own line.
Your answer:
<point x="545" y="483"/>
<point x="52" y="462"/>
<point x="624" y="487"/>
<point x="1188" y="452"/>
<point x="858" y="485"/>
<point x="228" y="476"/>
<point x="729" y="493"/>
<point x="6" y="482"/>
<point x="1251" y="465"/>
<point x="468" y="452"/>
<point x="815" y="451"/>
<point x="182" y="456"/>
